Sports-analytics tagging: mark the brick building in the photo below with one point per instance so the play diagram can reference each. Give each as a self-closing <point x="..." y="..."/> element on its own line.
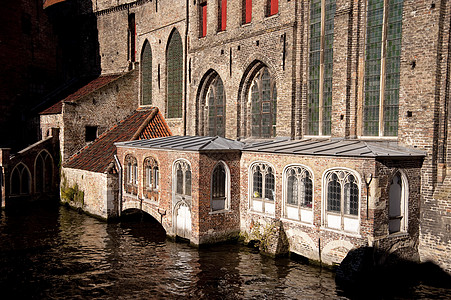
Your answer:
<point x="370" y="72"/>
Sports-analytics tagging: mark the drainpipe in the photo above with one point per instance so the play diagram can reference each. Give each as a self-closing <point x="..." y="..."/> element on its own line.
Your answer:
<point x="186" y="67"/>
<point x="120" y="184"/>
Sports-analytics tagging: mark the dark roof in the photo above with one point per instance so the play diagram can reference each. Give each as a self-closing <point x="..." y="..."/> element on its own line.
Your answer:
<point x="98" y="155"/>
<point x="186" y="143"/>
<point x="348" y="148"/>
<point x="87" y="89"/>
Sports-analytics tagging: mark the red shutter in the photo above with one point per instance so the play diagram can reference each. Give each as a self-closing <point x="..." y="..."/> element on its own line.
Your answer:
<point x="224" y="15"/>
<point x="204" y="20"/>
<point x="248" y="11"/>
<point x="274" y="7"/>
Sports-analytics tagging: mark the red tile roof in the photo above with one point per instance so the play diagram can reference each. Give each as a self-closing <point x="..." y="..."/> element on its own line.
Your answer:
<point x="56" y="108"/>
<point x="97" y="156"/>
<point x="47" y="3"/>
<point x="87" y="89"/>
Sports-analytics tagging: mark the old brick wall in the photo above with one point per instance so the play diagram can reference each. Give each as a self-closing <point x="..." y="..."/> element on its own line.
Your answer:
<point x="102" y="108"/>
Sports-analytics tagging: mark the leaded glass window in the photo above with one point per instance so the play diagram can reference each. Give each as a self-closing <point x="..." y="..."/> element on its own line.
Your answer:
<point x="263" y="98"/>
<point x="174" y="65"/>
<point x="216" y="108"/>
<point x="342" y="193"/>
<point x="320" y="82"/>
<point x="380" y="113"/>
<point x="299" y="187"/>
<point x="151" y="173"/>
<point x="146" y="75"/>
<point x="263" y="186"/>
<point x="131" y="173"/>
<point x="182" y="178"/>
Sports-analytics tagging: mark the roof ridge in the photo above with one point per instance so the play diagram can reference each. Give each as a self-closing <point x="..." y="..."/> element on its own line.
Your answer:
<point x="146" y="122"/>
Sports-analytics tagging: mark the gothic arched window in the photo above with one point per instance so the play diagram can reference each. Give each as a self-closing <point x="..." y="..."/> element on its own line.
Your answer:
<point x="182" y="178"/>
<point x="299" y="193"/>
<point x="151" y="178"/>
<point x="342" y="200"/>
<point x="263" y="101"/>
<point x="262" y="188"/>
<point x="397" y="204"/>
<point x="131" y="175"/>
<point x="43" y="172"/>
<point x="220" y="187"/>
<point x="146" y="74"/>
<point x="216" y="108"/>
<point x="20" y="180"/>
<point x="174" y="76"/>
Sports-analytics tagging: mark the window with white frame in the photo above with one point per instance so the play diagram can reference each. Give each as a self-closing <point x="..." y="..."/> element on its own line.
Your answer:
<point x="342" y="195"/>
<point x="262" y="188"/>
<point x="299" y="193"/>
<point x="220" y="188"/>
<point x="397" y="204"/>
<point x="131" y="175"/>
<point x="182" y="178"/>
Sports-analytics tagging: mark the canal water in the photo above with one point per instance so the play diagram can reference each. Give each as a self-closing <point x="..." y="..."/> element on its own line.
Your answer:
<point x="57" y="253"/>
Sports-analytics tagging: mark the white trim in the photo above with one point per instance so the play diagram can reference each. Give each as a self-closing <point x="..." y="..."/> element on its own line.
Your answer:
<point x="251" y="184"/>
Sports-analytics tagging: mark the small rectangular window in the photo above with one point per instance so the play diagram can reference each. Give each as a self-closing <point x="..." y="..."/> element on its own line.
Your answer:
<point x="90" y="133"/>
<point x="222" y="15"/>
<point x="203" y="18"/>
<point x="272" y="7"/>
<point x="247" y="11"/>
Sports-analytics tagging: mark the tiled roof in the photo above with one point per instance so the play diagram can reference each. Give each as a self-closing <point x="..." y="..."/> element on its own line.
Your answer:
<point x="47" y="3"/>
<point x="339" y="147"/>
<point x="186" y="143"/>
<point x="97" y="156"/>
<point x="56" y="108"/>
<point x="87" y="89"/>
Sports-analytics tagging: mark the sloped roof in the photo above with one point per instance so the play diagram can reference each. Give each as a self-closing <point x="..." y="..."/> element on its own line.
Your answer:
<point x="340" y="147"/>
<point x="87" y="89"/>
<point x="48" y="3"/>
<point x="186" y="143"/>
<point x="97" y="156"/>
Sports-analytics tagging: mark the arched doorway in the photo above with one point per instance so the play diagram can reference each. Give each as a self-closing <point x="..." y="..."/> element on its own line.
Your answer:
<point x="183" y="221"/>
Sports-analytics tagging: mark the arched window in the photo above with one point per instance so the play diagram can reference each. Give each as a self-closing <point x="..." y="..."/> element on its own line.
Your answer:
<point x="397" y="204"/>
<point x="299" y="193"/>
<point x="216" y="108"/>
<point x="131" y="175"/>
<point x="342" y="200"/>
<point x="151" y="178"/>
<point x="220" y="188"/>
<point x="263" y="100"/>
<point x="43" y="172"/>
<point x="174" y="76"/>
<point x="20" y="180"/>
<point x="262" y="188"/>
<point x="146" y="74"/>
<point x="182" y="176"/>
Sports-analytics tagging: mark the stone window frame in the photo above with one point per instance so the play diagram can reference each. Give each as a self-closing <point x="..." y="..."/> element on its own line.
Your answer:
<point x="226" y="197"/>
<point x="146" y="74"/>
<point x="267" y="204"/>
<point x="304" y="213"/>
<point x="403" y="203"/>
<point x="131" y="174"/>
<point x="212" y="89"/>
<point x="320" y="67"/>
<point x="47" y="175"/>
<point x="256" y="81"/>
<point x="21" y="169"/>
<point x="341" y="220"/>
<point x="271" y="8"/>
<point x="380" y="102"/>
<point x="184" y="166"/>
<point x="151" y="187"/>
<point x="222" y="15"/>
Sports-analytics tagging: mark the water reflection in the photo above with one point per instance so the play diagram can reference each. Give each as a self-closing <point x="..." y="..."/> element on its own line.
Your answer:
<point x="55" y="253"/>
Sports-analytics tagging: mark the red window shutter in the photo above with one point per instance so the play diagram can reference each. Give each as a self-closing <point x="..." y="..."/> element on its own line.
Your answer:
<point x="204" y="20"/>
<point x="224" y="15"/>
<point x="248" y="11"/>
<point x="274" y="7"/>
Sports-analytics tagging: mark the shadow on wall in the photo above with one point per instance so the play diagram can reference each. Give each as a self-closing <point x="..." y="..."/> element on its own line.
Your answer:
<point x="369" y="273"/>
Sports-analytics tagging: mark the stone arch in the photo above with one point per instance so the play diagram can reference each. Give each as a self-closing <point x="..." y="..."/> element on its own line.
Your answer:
<point x="174" y="75"/>
<point x="43" y="171"/>
<point x="398" y="218"/>
<point x="20" y="180"/>
<point x="210" y="85"/>
<point x="327" y="255"/>
<point x="245" y="122"/>
<point x="302" y="243"/>
<point x="146" y="73"/>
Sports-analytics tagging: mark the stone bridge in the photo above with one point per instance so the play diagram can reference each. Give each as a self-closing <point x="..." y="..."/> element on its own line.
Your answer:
<point x="32" y="173"/>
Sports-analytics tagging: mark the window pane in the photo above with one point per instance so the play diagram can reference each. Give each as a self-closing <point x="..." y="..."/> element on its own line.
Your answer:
<point x="219" y="182"/>
<point x="314" y="67"/>
<point x="149" y="176"/>
<point x="292" y="190"/>
<point x="351" y="199"/>
<point x="188" y="183"/>
<point x="156" y="177"/>
<point x="179" y="187"/>
<point x="174" y="63"/>
<point x="307" y="192"/>
<point x="269" y="186"/>
<point x="257" y="183"/>
<point x="146" y="75"/>
<point x="333" y="194"/>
